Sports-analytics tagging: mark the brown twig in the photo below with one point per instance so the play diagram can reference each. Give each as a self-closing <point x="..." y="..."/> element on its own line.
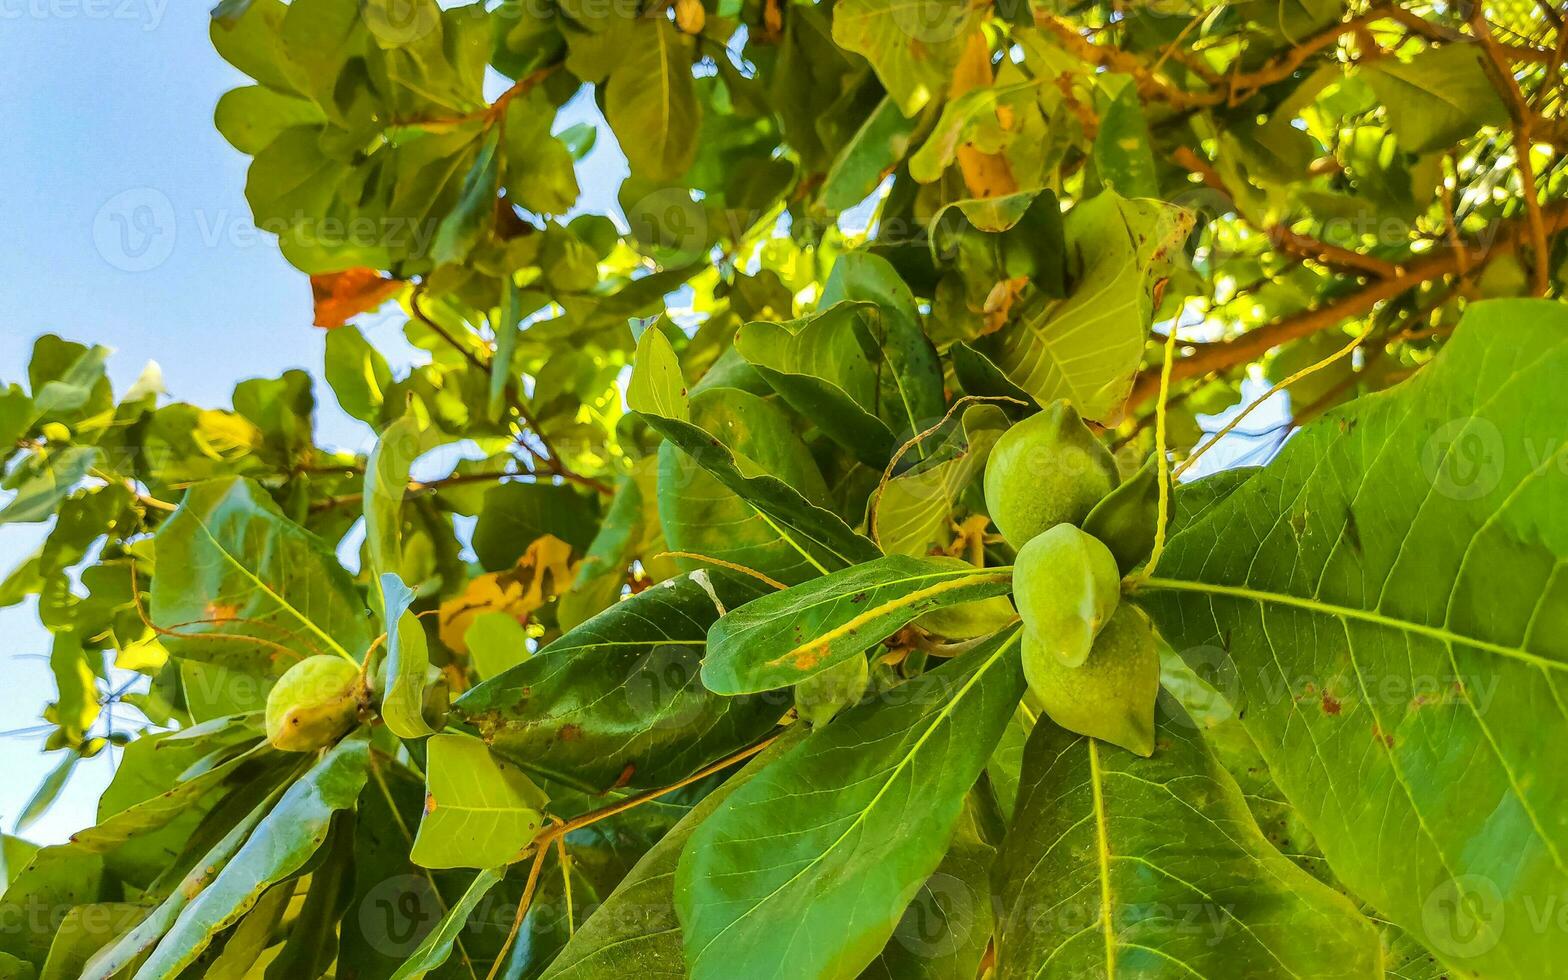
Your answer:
<point x="1508" y="87"/>
<point x="549" y="458"/>
<point x="1294" y="243"/>
<point x="1255" y="343"/>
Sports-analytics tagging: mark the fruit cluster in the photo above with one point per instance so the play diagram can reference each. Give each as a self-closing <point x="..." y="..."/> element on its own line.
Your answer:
<point x="1055" y="494"/>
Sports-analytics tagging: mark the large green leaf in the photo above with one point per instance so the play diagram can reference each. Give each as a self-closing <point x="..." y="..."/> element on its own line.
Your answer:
<point x="619" y="700"/>
<point x="480" y="811"/>
<point x="651" y="101"/>
<point x="807" y="869"/>
<point x="701" y="516"/>
<point x="788" y="636"/>
<point x="1116" y="865"/>
<point x="656" y="392"/>
<point x="913" y="44"/>
<point x="636" y="929"/>
<point x="1389" y="593"/>
<point x="1087" y="347"/>
<point x="944" y="932"/>
<point x="912" y="395"/>
<point x="1438" y="97"/>
<point x="829" y="367"/>
<point x="241" y="586"/>
<point x="278" y="848"/>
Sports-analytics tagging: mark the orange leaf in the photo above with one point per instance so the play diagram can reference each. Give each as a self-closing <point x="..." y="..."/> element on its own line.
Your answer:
<point x="340" y="296"/>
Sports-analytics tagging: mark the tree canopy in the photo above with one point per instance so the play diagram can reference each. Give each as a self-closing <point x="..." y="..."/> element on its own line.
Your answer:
<point x="706" y="652"/>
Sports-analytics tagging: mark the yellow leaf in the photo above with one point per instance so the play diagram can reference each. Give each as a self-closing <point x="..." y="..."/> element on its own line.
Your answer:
<point x="543" y="571"/>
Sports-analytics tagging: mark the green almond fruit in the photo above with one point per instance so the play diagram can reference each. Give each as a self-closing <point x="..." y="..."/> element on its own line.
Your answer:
<point x="1066" y="585"/>
<point x="315" y="703"/>
<point x="1047" y="470"/>
<point x="1125" y="519"/>
<point x="1111" y="697"/>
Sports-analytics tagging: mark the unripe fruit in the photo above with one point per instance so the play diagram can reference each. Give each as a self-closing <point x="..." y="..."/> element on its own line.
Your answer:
<point x="1111" y="697"/>
<point x="1067" y="586"/>
<point x="314" y="704"/>
<point x="1048" y="469"/>
<point x="690" y="16"/>
<point x="1125" y="520"/>
<point x="979" y="617"/>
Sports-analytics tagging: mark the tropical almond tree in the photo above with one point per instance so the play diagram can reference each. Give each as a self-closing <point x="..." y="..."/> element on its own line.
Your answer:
<point x="825" y="588"/>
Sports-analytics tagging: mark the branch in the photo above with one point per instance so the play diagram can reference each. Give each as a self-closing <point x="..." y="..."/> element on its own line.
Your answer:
<point x="1254" y="344"/>
<point x="1294" y="243"/>
<point x="550" y="457"/>
<point x="1508" y="87"/>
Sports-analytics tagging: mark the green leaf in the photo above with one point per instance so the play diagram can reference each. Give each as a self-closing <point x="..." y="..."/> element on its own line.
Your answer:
<point x="515" y="514"/>
<point x="1123" y="159"/>
<point x="619" y="699"/>
<point x="358" y="374"/>
<point x="813" y="862"/>
<point x="241" y="586"/>
<point x="539" y="172"/>
<point x="252" y="116"/>
<point x="818" y="536"/>
<point x="83" y="931"/>
<point x="474" y="213"/>
<point x="1437" y="98"/>
<point x="386" y="482"/>
<point x="651" y="102"/>
<point x="48" y="791"/>
<point x="869" y="156"/>
<point x="913" y="44"/>
<point x="911" y="384"/>
<point x="916" y="509"/>
<point x="50" y="878"/>
<point x="783" y="638"/>
<point x="278" y="848"/>
<point x="1117" y="865"/>
<point x="496" y="643"/>
<point x="1401" y="698"/>
<point x="635" y="930"/>
<point x="43" y="482"/>
<point x="433" y="951"/>
<point x="408" y="660"/>
<point x="828" y="366"/>
<point x="1087" y="347"/>
<point x="480" y="812"/>
<point x="954" y="127"/>
<point x="945" y="930"/>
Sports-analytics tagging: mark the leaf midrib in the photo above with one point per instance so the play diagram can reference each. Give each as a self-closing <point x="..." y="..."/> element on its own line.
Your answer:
<point x="892" y="774"/>
<point x="1441" y="634"/>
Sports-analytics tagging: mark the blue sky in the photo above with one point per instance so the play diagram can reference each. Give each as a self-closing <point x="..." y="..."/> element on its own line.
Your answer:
<point x="125" y="224"/>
